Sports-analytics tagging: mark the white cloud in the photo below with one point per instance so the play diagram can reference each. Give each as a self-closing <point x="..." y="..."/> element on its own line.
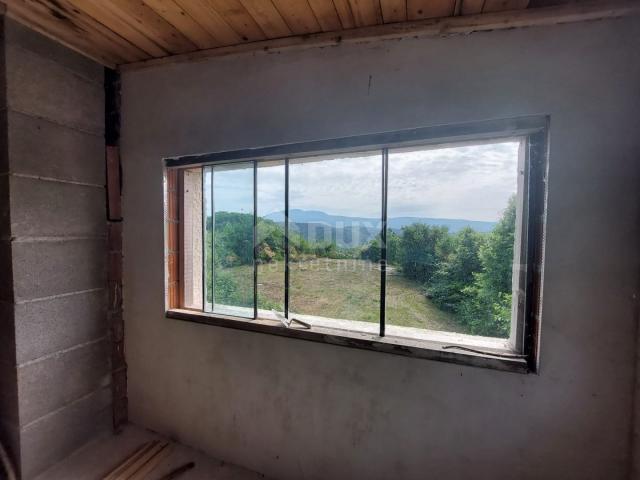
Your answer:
<point x="470" y="182"/>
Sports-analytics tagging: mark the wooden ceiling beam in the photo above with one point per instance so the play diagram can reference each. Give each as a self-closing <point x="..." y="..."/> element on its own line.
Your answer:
<point x="434" y="28"/>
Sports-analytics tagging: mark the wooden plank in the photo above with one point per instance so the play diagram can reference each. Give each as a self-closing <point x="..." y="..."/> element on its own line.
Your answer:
<point x="37" y="17"/>
<point x="343" y="7"/>
<point x="267" y="17"/>
<point x="504" y="5"/>
<point x="428" y="28"/>
<point x="239" y="19"/>
<point x="419" y="9"/>
<point x="173" y="234"/>
<point x="97" y="10"/>
<point x="183" y="22"/>
<point x="143" y="472"/>
<point x="176" y="472"/>
<point x="212" y="21"/>
<point x="110" y="40"/>
<point x="394" y="10"/>
<point x="72" y="33"/>
<point x="128" y="461"/>
<point x="366" y="12"/>
<point x="457" y="7"/>
<point x="298" y="15"/>
<point x="141" y="461"/>
<point x="326" y="14"/>
<point x="141" y="17"/>
<point x="471" y="7"/>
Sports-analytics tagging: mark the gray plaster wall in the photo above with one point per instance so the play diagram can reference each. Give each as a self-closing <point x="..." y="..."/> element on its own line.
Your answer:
<point x="293" y="409"/>
<point x="53" y="225"/>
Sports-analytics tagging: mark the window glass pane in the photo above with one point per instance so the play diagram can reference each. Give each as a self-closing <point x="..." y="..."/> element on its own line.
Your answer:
<point x="231" y="238"/>
<point x="450" y="238"/>
<point x="334" y="226"/>
<point x="271" y="192"/>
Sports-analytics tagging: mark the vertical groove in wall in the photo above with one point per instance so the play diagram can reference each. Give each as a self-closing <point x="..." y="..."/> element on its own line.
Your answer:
<point x="114" y="265"/>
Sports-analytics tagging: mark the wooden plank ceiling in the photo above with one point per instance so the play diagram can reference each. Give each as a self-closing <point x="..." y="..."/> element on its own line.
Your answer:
<point x="116" y="32"/>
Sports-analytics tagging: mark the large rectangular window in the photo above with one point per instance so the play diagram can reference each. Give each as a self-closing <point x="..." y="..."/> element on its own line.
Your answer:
<point x="424" y="240"/>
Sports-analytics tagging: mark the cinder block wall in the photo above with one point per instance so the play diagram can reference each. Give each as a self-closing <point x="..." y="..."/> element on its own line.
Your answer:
<point x="54" y="360"/>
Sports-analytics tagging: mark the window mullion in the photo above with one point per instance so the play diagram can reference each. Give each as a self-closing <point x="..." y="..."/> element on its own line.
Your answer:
<point x="255" y="239"/>
<point x="213" y="241"/>
<point x="204" y="239"/>
<point x="286" y="238"/>
<point x="383" y="242"/>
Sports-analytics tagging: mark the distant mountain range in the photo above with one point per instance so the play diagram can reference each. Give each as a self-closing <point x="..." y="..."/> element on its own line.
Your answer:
<point x="346" y="231"/>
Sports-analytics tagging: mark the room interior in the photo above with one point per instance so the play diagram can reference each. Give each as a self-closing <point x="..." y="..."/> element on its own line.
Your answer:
<point x="139" y="136"/>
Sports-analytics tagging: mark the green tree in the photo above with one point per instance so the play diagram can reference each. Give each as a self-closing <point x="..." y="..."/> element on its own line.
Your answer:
<point x="487" y="305"/>
<point x="456" y="272"/>
<point x="421" y="248"/>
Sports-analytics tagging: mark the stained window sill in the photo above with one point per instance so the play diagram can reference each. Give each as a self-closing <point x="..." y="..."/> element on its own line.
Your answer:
<point x="419" y="347"/>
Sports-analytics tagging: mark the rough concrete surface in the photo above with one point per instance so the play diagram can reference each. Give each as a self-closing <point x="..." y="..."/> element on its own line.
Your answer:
<point x="293" y="409"/>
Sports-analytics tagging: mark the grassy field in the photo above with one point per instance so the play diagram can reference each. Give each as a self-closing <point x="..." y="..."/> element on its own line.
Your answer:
<point x="344" y="289"/>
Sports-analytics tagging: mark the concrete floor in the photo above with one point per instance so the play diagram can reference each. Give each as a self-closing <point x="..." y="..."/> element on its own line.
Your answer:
<point x="100" y="456"/>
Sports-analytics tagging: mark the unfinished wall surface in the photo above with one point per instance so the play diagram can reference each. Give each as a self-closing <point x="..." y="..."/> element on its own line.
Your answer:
<point x="53" y="223"/>
<point x="293" y="409"/>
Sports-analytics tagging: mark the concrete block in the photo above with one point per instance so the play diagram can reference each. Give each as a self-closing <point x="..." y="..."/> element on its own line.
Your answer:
<point x="47" y="326"/>
<point x="45" y="208"/>
<point x="43" y="148"/>
<point x="42" y="88"/>
<point x="6" y="271"/>
<point x="46" y="268"/>
<point x="49" y="440"/>
<point x="17" y="34"/>
<point x="51" y="383"/>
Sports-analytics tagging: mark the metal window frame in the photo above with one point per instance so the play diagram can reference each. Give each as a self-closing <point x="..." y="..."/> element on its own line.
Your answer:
<point x="535" y="129"/>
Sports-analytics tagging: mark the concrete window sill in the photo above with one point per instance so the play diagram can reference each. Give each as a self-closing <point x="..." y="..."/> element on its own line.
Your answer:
<point x="421" y="346"/>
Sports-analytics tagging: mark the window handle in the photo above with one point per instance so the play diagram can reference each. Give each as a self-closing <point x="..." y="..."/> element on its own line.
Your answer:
<point x="288" y="321"/>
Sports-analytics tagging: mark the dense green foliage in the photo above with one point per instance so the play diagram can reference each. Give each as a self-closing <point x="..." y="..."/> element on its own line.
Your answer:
<point x="474" y="279"/>
<point x="466" y="273"/>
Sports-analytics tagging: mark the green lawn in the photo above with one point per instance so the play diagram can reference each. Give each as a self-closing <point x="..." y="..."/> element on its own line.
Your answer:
<point x="344" y="289"/>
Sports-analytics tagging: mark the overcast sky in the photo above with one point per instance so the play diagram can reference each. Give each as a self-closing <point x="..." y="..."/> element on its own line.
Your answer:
<point x="465" y="182"/>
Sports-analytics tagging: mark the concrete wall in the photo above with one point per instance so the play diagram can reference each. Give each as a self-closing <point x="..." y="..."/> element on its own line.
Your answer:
<point x="293" y="409"/>
<point x="53" y="239"/>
